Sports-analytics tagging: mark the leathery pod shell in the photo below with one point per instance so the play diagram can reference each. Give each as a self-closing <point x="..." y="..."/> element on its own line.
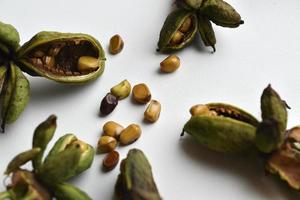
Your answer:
<point x="56" y="56"/>
<point x="9" y="38"/>
<point x="179" y="30"/>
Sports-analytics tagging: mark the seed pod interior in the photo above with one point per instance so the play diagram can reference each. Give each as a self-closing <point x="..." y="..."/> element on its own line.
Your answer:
<point x="56" y="56"/>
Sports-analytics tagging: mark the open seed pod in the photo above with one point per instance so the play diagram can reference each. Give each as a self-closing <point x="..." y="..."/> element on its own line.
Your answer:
<point x="285" y="162"/>
<point x="62" y="57"/>
<point x="179" y="29"/>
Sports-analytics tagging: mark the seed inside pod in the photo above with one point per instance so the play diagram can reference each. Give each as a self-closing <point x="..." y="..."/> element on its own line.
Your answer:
<point x="111" y="160"/>
<point x="116" y="44"/>
<point x="141" y="93"/>
<point x="87" y="63"/>
<point x="108" y="104"/>
<point x="177" y="38"/>
<point x="170" y="64"/>
<point x="186" y="25"/>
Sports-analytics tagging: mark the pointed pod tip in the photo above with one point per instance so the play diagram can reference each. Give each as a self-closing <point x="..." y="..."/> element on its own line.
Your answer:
<point x="52" y="119"/>
<point x="214" y="48"/>
<point x="182" y="133"/>
<point x="242" y="22"/>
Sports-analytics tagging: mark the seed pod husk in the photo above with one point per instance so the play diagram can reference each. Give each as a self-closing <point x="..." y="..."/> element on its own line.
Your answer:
<point x="221" y="13"/>
<point x="272" y="108"/>
<point x="206" y="31"/>
<point x="41" y="137"/>
<point x="285" y="161"/>
<point x="9" y="38"/>
<point x="3" y="74"/>
<point x="15" y="95"/>
<point x="21" y="159"/>
<point x="66" y="191"/>
<point x="66" y="49"/>
<point x="231" y="130"/>
<point x="171" y="27"/>
<point x="136" y="181"/>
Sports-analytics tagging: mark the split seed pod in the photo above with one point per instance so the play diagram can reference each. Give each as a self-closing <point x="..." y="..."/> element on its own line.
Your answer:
<point x="56" y="56"/>
<point x="206" y="31"/>
<point x="136" y="180"/>
<point x="223" y="128"/>
<point x="171" y="37"/>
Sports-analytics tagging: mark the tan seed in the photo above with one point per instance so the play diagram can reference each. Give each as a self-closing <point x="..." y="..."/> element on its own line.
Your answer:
<point x="49" y="61"/>
<point x="122" y="90"/>
<point x="38" y="54"/>
<point x="130" y="134"/>
<point x="186" y="25"/>
<point x="177" y="38"/>
<point x="170" y="64"/>
<point x="152" y="112"/>
<point x="106" y="144"/>
<point x="87" y="63"/>
<point x="112" y="129"/>
<point x="141" y="93"/>
<point x="54" y="51"/>
<point x="116" y="44"/>
<point x="111" y="160"/>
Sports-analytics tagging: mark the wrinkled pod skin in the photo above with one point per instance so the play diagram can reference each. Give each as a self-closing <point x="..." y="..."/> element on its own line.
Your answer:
<point x="135" y="182"/>
<point x="9" y="40"/>
<point x="172" y="25"/>
<point x="223" y="128"/>
<point x="63" y="51"/>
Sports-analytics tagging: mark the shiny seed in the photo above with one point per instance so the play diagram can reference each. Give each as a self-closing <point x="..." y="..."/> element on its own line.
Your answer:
<point x="177" y="38"/>
<point x="141" y="93"/>
<point x="116" y="44"/>
<point x="111" y="160"/>
<point x="112" y="129"/>
<point x="186" y="25"/>
<point x="49" y="61"/>
<point x="108" y="104"/>
<point x="122" y="90"/>
<point x="153" y="111"/>
<point x="170" y="64"/>
<point x="199" y="109"/>
<point x="87" y="63"/>
<point x="130" y="134"/>
<point x="106" y="144"/>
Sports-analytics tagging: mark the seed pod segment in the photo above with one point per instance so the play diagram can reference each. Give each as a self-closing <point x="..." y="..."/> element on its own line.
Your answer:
<point x="66" y="191"/>
<point x="9" y="39"/>
<point x="229" y="129"/>
<point x="285" y="162"/>
<point x="21" y="159"/>
<point x="65" y="50"/>
<point x="121" y="90"/>
<point x="3" y="74"/>
<point x="41" y="137"/>
<point x="206" y="31"/>
<point x="221" y="13"/>
<point x="171" y="38"/>
<point x="136" y="180"/>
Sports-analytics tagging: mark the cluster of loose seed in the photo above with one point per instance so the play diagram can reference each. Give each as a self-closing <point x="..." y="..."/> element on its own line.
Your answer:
<point x="74" y="57"/>
<point x="114" y="132"/>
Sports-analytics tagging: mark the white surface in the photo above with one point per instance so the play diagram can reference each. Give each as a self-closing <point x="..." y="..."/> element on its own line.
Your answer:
<point x="263" y="50"/>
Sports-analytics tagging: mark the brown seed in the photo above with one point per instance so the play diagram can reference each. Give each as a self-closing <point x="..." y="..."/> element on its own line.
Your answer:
<point x="37" y="62"/>
<point x="111" y="160"/>
<point x="130" y="134"/>
<point x="177" y="38"/>
<point x="49" y="61"/>
<point x="152" y="112"/>
<point x="108" y="104"/>
<point x="116" y="44"/>
<point x="112" y="129"/>
<point x="141" y="93"/>
<point x="186" y="25"/>
<point x="170" y="64"/>
<point x="106" y="144"/>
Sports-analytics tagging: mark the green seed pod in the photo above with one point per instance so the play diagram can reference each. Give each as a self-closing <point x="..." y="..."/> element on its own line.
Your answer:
<point x="15" y="96"/>
<point x="206" y="31"/>
<point x="178" y="30"/>
<point x="21" y="159"/>
<point x="189" y="4"/>
<point x="66" y="191"/>
<point x="3" y="74"/>
<point x="221" y="13"/>
<point x="285" y="161"/>
<point x="9" y="39"/>
<point x="136" y="181"/>
<point x="224" y="128"/>
<point x="56" y="56"/>
<point x="41" y="137"/>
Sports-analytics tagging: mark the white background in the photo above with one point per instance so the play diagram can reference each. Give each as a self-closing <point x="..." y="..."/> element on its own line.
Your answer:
<point x="264" y="50"/>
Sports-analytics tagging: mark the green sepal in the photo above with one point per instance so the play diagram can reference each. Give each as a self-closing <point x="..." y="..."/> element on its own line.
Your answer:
<point x="206" y="31"/>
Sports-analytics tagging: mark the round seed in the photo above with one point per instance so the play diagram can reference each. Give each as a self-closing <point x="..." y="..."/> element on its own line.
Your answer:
<point x="108" y="104"/>
<point x="116" y="44"/>
<point x="122" y="90"/>
<point x="152" y="112"/>
<point x="112" y="129"/>
<point x="186" y="25"/>
<point x="111" y="160"/>
<point x="141" y="93"/>
<point x="130" y="134"/>
<point x="87" y="63"/>
<point x="170" y="64"/>
<point x="106" y="144"/>
<point x="177" y="38"/>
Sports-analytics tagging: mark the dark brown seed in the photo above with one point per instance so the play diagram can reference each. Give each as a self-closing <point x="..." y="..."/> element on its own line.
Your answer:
<point x="108" y="104"/>
<point x="111" y="160"/>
